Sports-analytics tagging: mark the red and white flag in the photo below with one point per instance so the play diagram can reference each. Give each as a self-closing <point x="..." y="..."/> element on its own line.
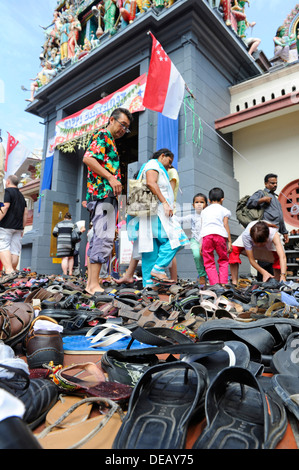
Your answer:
<point x="16" y="154"/>
<point x="164" y="91"/>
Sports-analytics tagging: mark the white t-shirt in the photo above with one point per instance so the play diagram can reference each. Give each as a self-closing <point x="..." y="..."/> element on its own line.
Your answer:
<point x="245" y="240"/>
<point x="212" y="220"/>
<point x="192" y="221"/>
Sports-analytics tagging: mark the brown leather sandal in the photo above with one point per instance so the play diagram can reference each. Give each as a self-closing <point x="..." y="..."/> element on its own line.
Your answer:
<point x="15" y="321"/>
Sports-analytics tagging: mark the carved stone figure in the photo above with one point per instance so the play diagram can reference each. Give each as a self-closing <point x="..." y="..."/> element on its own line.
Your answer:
<point x="74" y="27"/>
<point x="239" y="13"/>
<point x="285" y="47"/>
<point x="128" y="9"/>
<point x="64" y="36"/>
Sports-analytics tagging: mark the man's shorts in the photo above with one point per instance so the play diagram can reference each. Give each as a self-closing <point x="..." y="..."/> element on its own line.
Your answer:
<point x="10" y="240"/>
<point x="103" y="218"/>
<point x="234" y="256"/>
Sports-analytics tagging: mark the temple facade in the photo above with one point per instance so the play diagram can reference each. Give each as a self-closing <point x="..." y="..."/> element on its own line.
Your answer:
<point x="104" y="65"/>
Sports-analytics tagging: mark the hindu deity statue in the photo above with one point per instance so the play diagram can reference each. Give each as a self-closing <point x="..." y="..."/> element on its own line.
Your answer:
<point x="75" y="28"/>
<point x="143" y="5"/>
<point x="158" y="5"/>
<point x="239" y="13"/>
<point x="226" y="6"/>
<point x="109" y="15"/>
<point x="55" y="59"/>
<point x="128" y="9"/>
<point x="64" y="37"/>
<point x="285" y="46"/>
<point x="47" y="73"/>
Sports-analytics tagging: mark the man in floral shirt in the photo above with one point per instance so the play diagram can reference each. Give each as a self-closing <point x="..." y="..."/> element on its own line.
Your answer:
<point x="103" y="187"/>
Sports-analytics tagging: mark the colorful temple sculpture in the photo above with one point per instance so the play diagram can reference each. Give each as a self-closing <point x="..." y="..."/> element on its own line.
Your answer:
<point x="286" y="40"/>
<point x="78" y="27"/>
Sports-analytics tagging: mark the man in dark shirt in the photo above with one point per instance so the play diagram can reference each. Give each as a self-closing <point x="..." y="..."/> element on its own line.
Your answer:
<point x="13" y="217"/>
<point x="271" y="205"/>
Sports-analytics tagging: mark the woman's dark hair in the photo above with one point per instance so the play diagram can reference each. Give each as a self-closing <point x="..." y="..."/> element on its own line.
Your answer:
<point x="200" y="195"/>
<point x="166" y="152"/>
<point x="259" y="232"/>
<point x="68" y="216"/>
<point x="216" y="194"/>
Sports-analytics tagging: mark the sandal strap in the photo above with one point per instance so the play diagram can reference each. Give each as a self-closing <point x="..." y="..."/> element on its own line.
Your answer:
<point x="114" y="408"/>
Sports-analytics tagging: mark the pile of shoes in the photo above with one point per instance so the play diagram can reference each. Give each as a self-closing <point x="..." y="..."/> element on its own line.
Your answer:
<point x="165" y="360"/>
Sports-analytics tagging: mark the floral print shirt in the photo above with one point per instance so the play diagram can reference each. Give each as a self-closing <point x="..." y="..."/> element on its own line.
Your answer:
<point x="102" y="147"/>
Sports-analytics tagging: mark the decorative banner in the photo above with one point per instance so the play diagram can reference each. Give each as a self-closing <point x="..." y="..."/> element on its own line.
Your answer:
<point x="83" y="123"/>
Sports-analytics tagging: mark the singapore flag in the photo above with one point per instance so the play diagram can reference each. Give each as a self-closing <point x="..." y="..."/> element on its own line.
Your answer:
<point x="164" y="91"/>
<point x="16" y="154"/>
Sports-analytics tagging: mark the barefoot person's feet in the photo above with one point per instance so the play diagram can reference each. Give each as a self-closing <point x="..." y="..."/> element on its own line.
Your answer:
<point x="90" y="289"/>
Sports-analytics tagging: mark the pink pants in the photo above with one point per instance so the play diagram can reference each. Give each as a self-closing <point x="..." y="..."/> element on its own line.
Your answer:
<point x="217" y="243"/>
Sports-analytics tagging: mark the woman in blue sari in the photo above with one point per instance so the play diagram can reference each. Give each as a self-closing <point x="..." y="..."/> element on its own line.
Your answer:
<point x="160" y="236"/>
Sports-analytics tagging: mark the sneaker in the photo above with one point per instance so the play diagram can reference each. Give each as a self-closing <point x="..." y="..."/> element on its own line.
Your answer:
<point x="14" y="433"/>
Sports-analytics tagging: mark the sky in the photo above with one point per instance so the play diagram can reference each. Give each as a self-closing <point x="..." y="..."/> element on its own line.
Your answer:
<point x="21" y="39"/>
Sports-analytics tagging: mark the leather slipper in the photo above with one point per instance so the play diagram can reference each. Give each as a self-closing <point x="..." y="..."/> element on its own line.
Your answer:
<point x="162" y="404"/>
<point x="287" y="388"/>
<point x="240" y="414"/>
<point x="94" y="433"/>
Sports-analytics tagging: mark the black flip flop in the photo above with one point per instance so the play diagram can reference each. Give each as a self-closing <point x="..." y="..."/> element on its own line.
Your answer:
<point x="127" y="366"/>
<point x="261" y="336"/>
<point x="162" y="404"/>
<point x="285" y="361"/>
<point x="287" y="388"/>
<point x="240" y="414"/>
<point x="233" y="354"/>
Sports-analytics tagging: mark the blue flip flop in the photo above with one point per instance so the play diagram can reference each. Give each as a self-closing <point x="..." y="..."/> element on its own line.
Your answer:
<point x="79" y="344"/>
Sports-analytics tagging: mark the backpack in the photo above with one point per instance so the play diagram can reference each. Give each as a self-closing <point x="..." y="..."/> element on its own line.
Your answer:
<point x="246" y="215"/>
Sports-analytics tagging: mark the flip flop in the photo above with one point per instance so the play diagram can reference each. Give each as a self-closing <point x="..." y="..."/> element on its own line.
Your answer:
<point x="164" y="281"/>
<point x="79" y="415"/>
<point x="127" y="366"/>
<point x="261" y="336"/>
<point x="94" y="433"/>
<point x="162" y="404"/>
<point x="233" y="354"/>
<point x="287" y="388"/>
<point x="285" y="361"/>
<point x="93" y="385"/>
<point x="79" y="344"/>
<point x="240" y="414"/>
<point x="108" y="335"/>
